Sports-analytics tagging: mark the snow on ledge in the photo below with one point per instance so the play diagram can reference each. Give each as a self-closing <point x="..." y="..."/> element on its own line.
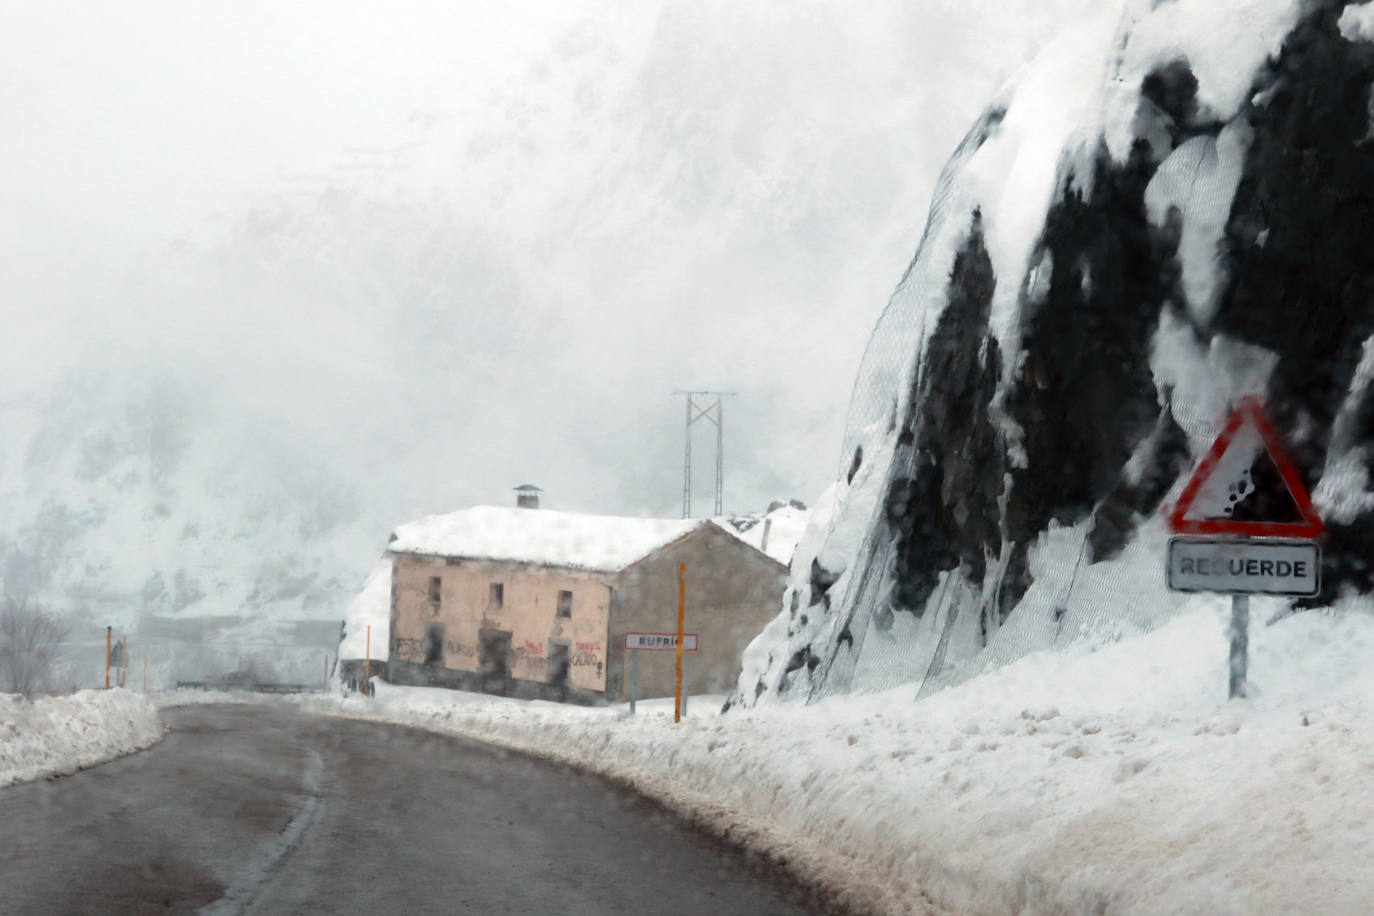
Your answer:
<point x="53" y="736"/>
<point x="1357" y="23"/>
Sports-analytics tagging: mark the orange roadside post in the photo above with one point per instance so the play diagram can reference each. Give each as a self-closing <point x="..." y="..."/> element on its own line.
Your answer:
<point x="681" y="615"/>
<point x="109" y="632"/>
<point x="367" y="664"/>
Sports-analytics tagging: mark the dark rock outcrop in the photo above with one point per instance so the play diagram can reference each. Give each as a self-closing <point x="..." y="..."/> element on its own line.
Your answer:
<point x="1038" y="389"/>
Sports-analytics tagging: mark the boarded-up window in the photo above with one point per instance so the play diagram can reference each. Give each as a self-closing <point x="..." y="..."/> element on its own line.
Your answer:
<point x="497" y="595"/>
<point x="434" y="645"/>
<point x="435" y="583"/>
<point x="564" y="604"/>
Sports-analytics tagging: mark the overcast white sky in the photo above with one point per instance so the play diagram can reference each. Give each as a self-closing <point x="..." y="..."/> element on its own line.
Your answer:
<point x="437" y="249"/>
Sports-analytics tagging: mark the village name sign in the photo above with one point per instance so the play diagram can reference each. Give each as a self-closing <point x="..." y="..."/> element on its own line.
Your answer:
<point x="1245" y="525"/>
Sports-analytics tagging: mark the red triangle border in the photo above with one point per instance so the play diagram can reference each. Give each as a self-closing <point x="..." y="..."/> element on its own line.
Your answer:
<point x="1310" y="527"/>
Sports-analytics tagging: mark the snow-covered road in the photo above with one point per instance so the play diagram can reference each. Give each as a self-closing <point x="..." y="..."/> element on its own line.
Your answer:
<point x="1115" y="780"/>
<point x="256" y="808"/>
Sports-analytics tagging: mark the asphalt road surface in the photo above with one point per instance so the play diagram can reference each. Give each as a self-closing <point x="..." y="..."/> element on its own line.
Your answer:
<point x="258" y="809"/>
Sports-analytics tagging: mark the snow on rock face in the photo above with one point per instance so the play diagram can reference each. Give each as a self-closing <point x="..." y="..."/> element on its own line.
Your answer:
<point x="1169" y="210"/>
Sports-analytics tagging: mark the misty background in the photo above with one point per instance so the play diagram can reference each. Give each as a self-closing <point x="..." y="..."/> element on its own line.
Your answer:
<point x="279" y="277"/>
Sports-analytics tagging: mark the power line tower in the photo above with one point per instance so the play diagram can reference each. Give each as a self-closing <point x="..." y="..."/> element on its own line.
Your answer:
<point x="704" y="405"/>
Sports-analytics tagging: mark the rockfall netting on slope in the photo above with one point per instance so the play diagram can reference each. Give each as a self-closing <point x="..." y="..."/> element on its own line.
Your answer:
<point x="1169" y="210"/>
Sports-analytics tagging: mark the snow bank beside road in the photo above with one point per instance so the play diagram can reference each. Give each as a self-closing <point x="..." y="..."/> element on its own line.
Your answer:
<point x="57" y="735"/>
<point x="1118" y="780"/>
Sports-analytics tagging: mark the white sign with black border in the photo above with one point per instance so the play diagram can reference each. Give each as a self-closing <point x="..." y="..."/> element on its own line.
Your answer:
<point x="1244" y="566"/>
<point x="660" y="642"/>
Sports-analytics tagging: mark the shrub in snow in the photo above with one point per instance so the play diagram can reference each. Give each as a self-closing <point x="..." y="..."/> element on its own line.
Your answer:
<point x="30" y="642"/>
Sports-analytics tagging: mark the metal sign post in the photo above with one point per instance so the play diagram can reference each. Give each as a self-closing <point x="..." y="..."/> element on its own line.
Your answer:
<point x="1240" y="644"/>
<point x="636" y="643"/>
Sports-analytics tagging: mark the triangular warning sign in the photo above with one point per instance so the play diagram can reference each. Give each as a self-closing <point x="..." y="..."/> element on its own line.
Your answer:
<point x="1246" y="485"/>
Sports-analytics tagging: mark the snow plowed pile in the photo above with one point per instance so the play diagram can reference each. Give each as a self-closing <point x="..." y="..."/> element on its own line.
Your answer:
<point x="1114" y="780"/>
<point x="57" y="735"/>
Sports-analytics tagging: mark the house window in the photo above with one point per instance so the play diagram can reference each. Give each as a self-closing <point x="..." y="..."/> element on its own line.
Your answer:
<point x="434" y="585"/>
<point x="496" y="596"/>
<point x="564" y="604"/>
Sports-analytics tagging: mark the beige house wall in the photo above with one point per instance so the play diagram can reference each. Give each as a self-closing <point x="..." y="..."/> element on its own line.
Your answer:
<point x="733" y="591"/>
<point x="528" y="613"/>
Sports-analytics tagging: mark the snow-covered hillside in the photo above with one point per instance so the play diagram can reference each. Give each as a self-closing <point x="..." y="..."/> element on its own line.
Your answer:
<point x="455" y="285"/>
<point x="1167" y="211"/>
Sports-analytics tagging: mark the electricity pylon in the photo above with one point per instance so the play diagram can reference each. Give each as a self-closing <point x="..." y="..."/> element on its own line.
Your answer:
<point x="710" y="408"/>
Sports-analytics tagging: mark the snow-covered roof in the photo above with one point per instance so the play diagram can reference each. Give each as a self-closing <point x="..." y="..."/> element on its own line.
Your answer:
<point x="783" y="527"/>
<point x="602" y="543"/>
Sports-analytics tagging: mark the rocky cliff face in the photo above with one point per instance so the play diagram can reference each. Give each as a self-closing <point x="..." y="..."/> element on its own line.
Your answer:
<point x="1171" y="209"/>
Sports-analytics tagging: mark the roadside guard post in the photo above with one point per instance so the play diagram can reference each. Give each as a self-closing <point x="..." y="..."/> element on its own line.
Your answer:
<point x="636" y="643"/>
<point x="681" y="614"/>
<point x="1245" y="526"/>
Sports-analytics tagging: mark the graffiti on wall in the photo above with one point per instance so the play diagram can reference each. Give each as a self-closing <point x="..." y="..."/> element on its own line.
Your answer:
<point x="532" y="655"/>
<point x="410" y="650"/>
<point x="587" y="655"/>
<point x="460" y="650"/>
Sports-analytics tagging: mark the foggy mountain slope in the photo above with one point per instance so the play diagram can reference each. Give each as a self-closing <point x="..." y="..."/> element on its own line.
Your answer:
<point x="500" y="283"/>
<point x="1166" y="212"/>
<point x="129" y="507"/>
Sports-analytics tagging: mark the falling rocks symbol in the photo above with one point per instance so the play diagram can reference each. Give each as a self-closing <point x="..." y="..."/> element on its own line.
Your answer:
<point x="1262" y="496"/>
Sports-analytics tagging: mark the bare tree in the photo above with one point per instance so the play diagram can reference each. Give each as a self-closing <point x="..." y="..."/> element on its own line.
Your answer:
<point x="30" y="641"/>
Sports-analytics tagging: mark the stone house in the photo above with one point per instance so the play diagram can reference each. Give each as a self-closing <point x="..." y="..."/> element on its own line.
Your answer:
<point x="535" y="603"/>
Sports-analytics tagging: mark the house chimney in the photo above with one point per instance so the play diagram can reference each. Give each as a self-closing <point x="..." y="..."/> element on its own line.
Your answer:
<point x="767" y="526"/>
<point x="527" y="496"/>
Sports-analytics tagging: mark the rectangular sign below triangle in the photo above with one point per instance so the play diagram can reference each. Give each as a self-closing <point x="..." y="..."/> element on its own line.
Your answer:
<point x="1246" y="485"/>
